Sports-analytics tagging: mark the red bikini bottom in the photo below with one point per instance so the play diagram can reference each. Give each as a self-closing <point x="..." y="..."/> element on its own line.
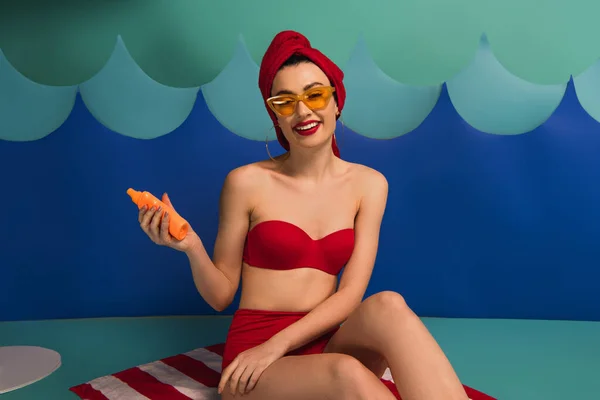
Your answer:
<point x="250" y="328"/>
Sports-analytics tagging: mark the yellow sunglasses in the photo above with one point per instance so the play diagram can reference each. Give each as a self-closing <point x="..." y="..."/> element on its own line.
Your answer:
<point x="316" y="99"/>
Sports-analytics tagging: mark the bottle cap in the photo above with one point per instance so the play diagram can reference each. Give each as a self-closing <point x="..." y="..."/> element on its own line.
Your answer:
<point x="134" y="194"/>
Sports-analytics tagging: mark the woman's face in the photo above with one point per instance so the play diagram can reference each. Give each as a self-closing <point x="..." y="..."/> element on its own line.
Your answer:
<point x="305" y="127"/>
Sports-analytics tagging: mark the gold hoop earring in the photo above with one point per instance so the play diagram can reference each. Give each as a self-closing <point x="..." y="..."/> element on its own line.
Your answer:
<point x="343" y="130"/>
<point x="267" y="142"/>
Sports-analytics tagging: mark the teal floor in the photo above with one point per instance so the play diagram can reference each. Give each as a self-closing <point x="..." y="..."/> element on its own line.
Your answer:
<point x="508" y="359"/>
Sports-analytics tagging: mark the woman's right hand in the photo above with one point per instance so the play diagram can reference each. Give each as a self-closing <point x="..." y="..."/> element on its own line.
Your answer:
<point x="157" y="228"/>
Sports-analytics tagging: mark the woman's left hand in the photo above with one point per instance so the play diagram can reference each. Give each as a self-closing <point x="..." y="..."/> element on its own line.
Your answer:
<point x="248" y="366"/>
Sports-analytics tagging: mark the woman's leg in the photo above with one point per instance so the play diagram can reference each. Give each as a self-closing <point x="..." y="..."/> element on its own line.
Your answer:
<point x="316" y="377"/>
<point x="384" y="331"/>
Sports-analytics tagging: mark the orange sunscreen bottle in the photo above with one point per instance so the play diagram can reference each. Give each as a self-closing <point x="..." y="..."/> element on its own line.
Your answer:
<point x="178" y="227"/>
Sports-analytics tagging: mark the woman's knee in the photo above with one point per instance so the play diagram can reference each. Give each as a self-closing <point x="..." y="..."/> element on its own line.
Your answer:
<point x="388" y="302"/>
<point x="350" y="377"/>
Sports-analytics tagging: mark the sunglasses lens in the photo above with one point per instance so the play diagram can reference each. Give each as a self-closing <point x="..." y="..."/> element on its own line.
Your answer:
<point x="317" y="98"/>
<point x="284" y="105"/>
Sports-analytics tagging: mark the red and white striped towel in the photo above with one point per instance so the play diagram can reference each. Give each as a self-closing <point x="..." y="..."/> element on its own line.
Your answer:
<point x="188" y="376"/>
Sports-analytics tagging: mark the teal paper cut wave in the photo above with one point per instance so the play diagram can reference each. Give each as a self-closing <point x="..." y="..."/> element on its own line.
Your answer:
<point x="379" y="107"/>
<point x="60" y="42"/>
<point x="126" y="100"/>
<point x="587" y="87"/>
<point x="183" y="43"/>
<point x="542" y="42"/>
<point x="422" y="42"/>
<point x="234" y="98"/>
<point x="30" y="111"/>
<point x="186" y="43"/>
<point x="492" y="100"/>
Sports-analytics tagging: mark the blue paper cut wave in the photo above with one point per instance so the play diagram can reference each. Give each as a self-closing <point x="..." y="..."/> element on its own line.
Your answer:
<point x="126" y="100"/>
<point x="122" y="97"/>
<point x="492" y="100"/>
<point x="587" y="87"/>
<point x="29" y="110"/>
<point x="379" y="107"/>
<point x="234" y="98"/>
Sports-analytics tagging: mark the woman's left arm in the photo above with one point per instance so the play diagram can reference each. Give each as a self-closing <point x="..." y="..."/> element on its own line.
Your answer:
<point x="357" y="273"/>
<point x="245" y="370"/>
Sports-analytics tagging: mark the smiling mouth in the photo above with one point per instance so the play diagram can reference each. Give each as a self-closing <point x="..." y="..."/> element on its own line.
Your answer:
<point x="307" y="129"/>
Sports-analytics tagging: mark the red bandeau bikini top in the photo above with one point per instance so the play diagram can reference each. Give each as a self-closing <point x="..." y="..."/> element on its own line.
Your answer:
<point x="282" y="245"/>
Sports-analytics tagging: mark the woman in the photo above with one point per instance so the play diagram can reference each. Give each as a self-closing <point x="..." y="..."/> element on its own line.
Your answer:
<point x="287" y="227"/>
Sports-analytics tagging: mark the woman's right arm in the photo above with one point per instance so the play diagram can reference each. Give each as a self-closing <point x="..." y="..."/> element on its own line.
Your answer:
<point x="217" y="280"/>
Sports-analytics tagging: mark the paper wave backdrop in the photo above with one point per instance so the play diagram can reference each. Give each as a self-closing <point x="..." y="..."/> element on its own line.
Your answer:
<point x="187" y="43"/>
<point x="125" y="99"/>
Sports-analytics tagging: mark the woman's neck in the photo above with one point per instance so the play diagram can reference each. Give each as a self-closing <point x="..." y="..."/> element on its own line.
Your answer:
<point x="311" y="164"/>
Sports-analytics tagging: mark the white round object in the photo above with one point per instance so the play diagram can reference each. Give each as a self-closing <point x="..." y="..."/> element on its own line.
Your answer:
<point x="23" y="365"/>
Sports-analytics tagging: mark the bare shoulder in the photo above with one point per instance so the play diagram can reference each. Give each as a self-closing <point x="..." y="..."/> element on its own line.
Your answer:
<point x="240" y="191"/>
<point x="246" y="178"/>
<point x="369" y="181"/>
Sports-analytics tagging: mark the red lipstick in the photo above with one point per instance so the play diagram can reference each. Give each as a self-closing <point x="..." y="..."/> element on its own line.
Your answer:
<point x="307" y="128"/>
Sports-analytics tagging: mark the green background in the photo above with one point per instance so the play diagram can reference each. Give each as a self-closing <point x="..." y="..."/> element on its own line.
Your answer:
<point x="186" y="43"/>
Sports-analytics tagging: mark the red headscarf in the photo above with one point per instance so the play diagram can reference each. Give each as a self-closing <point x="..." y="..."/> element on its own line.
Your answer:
<point x="284" y="45"/>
